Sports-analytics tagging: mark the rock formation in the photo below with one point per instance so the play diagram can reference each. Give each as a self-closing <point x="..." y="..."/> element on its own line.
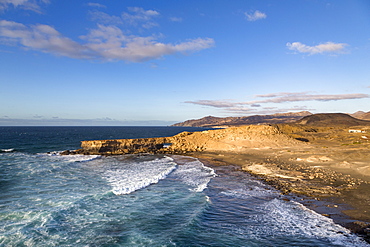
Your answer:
<point x="230" y="139"/>
<point x="313" y="127"/>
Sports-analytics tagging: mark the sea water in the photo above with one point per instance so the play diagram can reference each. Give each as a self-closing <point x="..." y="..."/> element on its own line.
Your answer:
<point x="140" y="200"/>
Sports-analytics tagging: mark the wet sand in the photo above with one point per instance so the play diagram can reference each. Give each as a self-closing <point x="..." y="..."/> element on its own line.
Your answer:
<point x="334" y="182"/>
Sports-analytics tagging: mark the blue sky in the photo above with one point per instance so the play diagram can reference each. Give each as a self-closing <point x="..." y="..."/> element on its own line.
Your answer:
<point x="136" y="62"/>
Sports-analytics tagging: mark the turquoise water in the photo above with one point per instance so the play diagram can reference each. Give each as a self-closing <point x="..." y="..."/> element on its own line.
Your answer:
<point x="140" y="200"/>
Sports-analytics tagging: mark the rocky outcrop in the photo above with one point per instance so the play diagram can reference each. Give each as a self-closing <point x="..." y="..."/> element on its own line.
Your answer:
<point x="124" y="146"/>
<point x="230" y="139"/>
<point x="174" y="145"/>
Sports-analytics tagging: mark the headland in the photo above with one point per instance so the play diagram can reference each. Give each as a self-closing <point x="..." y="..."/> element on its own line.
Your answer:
<point x="324" y="158"/>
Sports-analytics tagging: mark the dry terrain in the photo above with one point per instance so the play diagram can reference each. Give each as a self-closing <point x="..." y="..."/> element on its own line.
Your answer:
<point x="324" y="157"/>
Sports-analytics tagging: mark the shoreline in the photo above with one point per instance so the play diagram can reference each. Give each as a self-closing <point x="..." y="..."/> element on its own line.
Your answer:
<point x="332" y="194"/>
<point x="326" y="167"/>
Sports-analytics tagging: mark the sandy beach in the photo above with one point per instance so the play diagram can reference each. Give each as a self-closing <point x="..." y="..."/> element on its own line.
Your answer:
<point x="333" y="181"/>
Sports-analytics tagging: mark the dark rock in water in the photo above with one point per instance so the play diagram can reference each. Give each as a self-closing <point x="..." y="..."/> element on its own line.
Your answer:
<point x="361" y="228"/>
<point x="66" y="152"/>
<point x="77" y="151"/>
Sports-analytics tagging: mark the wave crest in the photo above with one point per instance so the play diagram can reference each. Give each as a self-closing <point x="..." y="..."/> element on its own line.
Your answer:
<point x="195" y="174"/>
<point x="132" y="177"/>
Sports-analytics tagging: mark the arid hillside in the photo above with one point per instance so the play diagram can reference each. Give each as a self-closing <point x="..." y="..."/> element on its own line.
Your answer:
<point x="304" y="117"/>
<point x="211" y="121"/>
<point x="361" y="115"/>
<point x="331" y="120"/>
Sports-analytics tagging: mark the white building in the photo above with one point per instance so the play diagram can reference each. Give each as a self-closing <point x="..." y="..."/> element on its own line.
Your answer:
<point x="356" y="131"/>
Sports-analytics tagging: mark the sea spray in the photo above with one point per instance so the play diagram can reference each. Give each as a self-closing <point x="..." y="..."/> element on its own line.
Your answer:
<point x="195" y="174"/>
<point x="130" y="177"/>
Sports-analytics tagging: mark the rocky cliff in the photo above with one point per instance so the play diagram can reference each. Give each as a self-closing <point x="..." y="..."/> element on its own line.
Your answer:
<point x="123" y="146"/>
<point x="230" y="139"/>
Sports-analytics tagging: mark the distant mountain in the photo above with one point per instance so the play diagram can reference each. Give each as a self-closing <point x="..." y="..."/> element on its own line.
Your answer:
<point x="361" y="115"/>
<point x="211" y="121"/>
<point x="331" y="119"/>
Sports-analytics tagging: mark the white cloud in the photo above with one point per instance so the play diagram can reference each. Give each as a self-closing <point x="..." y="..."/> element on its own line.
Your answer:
<point x="104" y="43"/>
<point x="328" y="47"/>
<point x="226" y="105"/>
<point x="176" y="19"/>
<point x="136" y="17"/>
<point x="243" y="108"/>
<point x="273" y="95"/>
<point x="41" y="37"/>
<point x="214" y="103"/>
<point x="267" y="110"/>
<point x="194" y="45"/>
<point x="139" y="16"/>
<point x="256" y="15"/>
<point x="98" y="5"/>
<point x="33" y="5"/>
<point x="277" y="98"/>
<point x="303" y="96"/>
<point x="104" y="18"/>
<point x="110" y="43"/>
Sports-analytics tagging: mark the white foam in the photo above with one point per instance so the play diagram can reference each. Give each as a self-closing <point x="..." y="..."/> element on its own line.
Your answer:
<point x="131" y="177"/>
<point x="72" y="158"/>
<point x="195" y="174"/>
<point x="79" y="157"/>
<point x="7" y="150"/>
<point x="276" y="217"/>
<point x="292" y="218"/>
<point x="253" y="192"/>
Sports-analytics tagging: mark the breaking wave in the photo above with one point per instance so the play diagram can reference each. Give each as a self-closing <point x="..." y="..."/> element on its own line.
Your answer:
<point x="279" y="218"/>
<point x="134" y="176"/>
<point x="195" y="174"/>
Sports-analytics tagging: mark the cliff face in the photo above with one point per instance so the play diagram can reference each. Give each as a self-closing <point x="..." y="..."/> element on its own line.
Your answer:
<point x="230" y="139"/>
<point x="123" y="146"/>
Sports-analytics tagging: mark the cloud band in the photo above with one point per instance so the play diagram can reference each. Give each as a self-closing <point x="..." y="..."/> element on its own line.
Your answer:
<point x="328" y="47"/>
<point x="104" y="43"/>
<point x="277" y="98"/>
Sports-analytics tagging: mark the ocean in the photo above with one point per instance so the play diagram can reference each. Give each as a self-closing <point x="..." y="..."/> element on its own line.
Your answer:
<point x="141" y="200"/>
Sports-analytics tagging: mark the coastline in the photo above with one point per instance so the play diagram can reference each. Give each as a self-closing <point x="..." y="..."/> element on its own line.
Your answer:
<point x="341" y="196"/>
<point x="325" y="168"/>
